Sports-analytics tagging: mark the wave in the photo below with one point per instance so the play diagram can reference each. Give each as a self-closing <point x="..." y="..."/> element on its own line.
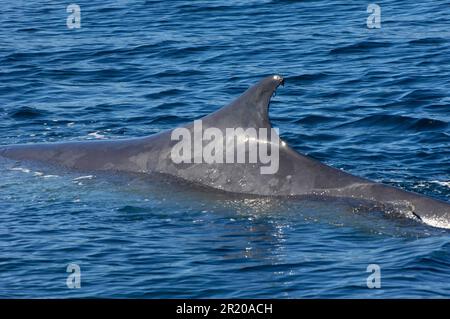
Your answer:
<point x="360" y="47"/>
<point x="388" y="121"/>
<point x="26" y="112"/>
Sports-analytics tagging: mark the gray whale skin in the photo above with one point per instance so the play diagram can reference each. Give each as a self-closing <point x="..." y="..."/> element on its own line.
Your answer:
<point x="298" y="175"/>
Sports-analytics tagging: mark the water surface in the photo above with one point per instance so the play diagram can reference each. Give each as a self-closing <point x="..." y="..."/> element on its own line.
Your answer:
<point x="374" y="102"/>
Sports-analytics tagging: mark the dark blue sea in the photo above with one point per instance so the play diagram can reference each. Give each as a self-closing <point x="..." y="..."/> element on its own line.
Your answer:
<point x="372" y="101"/>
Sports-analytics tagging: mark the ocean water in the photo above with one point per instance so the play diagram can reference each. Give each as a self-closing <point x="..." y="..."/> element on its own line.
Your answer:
<point x="374" y="102"/>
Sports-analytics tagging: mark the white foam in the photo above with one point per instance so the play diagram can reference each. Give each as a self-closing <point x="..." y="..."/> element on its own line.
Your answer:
<point x="84" y="177"/>
<point x="37" y="174"/>
<point x="21" y="169"/>
<point x="447" y="184"/>
<point x="96" y="135"/>
<point x="438" y="222"/>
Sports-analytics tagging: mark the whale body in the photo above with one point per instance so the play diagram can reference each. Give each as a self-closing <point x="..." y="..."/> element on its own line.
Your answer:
<point x="296" y="175"/>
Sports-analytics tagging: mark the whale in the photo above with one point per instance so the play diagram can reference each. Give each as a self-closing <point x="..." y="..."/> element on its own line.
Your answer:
<point x="294" y="175"/>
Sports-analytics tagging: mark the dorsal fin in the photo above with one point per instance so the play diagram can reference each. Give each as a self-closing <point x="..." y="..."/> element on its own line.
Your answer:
<point x="250" y="109"/>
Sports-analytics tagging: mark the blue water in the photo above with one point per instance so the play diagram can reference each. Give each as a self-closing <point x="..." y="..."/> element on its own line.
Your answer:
<point x="374" y="102"/>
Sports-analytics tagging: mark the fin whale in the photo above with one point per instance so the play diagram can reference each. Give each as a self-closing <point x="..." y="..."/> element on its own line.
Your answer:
<point x="297" y="174"/>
